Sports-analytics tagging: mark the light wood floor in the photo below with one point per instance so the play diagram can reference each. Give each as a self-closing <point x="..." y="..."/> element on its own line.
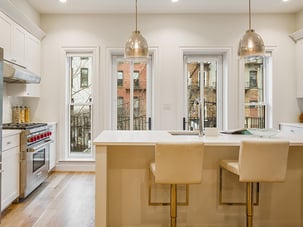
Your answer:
<point x="64" y="200"/>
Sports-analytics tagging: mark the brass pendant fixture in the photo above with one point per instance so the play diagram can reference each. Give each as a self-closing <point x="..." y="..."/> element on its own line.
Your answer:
<point x="136" y="47"/>
<point x="251" y="43"/>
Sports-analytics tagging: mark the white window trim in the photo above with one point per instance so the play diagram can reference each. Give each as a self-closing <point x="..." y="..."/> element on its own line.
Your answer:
<point x="272" y="104"/>
<point x="111" y="81"/>
<point x="229" y="96"/>
<point x="94" y="52"/>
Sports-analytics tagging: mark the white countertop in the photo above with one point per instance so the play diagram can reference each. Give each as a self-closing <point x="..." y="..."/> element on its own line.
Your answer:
<point x="116" y="137"/>
<point x="299" y="125"/>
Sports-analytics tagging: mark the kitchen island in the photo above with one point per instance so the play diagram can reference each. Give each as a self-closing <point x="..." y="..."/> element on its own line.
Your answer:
<point x="122" y="175"/>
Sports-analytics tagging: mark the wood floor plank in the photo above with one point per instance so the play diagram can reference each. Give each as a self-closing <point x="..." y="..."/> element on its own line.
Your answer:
<point x="64" y="200"/>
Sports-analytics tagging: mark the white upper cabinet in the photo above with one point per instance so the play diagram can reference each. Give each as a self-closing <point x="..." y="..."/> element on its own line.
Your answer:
<point x="19" y="46"/>
<point x="300" y="68"/>
<point x="32" y="53"/>
<point x="6" y="35"/>
<point x="298" y="38"/>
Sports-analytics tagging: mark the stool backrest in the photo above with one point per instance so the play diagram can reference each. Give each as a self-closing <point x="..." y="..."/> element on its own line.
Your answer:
<point x="179" y="163"/>
<point x="263" y="160"/>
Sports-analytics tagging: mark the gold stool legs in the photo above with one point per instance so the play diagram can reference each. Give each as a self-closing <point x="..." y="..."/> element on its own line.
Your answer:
<point x="173" y="205"/>
<point x="249" y="205"/>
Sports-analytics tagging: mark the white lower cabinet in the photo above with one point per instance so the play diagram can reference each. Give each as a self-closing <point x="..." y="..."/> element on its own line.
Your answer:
<point x="10" y="169"/>
<point x="292" y="128"/>
<point x="52" y="151"/>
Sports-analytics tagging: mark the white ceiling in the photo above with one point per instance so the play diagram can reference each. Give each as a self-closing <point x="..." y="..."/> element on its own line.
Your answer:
<point x="166" y="6"/>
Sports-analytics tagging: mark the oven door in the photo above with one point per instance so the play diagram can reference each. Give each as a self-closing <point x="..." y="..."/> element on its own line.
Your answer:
<point x="34" y="168"/>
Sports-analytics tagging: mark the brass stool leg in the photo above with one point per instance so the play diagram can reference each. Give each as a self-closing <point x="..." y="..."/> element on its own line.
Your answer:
<point x="173" y="205"/>
<point x="249" y="205"/>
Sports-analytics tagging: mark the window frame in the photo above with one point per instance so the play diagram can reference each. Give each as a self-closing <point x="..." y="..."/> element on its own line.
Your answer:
<point x="201" y="58"/>
<point x="269" y="103"/>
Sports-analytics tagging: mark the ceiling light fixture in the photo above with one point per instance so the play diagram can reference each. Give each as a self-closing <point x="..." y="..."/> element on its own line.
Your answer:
<point x="136" y="47"/>
<point x="251" y="43"/>
<point x="63" y="1"/>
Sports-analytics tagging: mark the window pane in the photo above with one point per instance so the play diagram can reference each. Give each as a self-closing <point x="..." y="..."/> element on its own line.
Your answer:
<point x="135" y="114"/>
<point x="254" y="116"/>
<point x="80" y="104"/>
<point x="207" y="79"/>
<point x="255" y="104"/>
<point x="80" y="128"/>
<point x="81" y="79"/>
<point x="139" y="106"/>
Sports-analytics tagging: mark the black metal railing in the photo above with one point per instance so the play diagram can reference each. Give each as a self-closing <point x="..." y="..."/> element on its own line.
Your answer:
<point x="139" y="123"/>
<point x="254" y="122"/>
<point x="80" y="132"/>
<point x="193" y="123"/>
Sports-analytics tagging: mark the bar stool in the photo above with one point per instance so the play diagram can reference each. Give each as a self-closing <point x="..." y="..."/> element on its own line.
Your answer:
<point x="177" y="163"/>
<point x="259" y="161"/>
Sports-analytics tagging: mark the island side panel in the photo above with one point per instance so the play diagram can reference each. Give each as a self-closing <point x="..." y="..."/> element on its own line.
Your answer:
<point x="101" y="187"/>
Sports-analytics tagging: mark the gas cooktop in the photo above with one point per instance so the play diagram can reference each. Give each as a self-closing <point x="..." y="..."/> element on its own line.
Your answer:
<point x="28" y="125"/>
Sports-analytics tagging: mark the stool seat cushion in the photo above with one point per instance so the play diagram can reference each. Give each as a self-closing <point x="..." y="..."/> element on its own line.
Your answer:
<point x="178" y="163"/>
<point x="263" y="160"/>
<point x="231" y="165"/>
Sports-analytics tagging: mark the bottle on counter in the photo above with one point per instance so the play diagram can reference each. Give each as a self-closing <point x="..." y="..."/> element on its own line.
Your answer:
<point x="26" y="114"/>
<point x="16" y="114"/>
<point x="22" y="114"/>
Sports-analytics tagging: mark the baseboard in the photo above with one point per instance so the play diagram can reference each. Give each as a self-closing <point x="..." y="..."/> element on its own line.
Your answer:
<point x="75" y="166"/>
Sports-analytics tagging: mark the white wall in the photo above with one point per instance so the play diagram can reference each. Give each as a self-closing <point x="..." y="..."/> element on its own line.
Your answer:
<point x="27" y="10"/>
<point x="299" y="20"/>
<point x="166" y="33"/>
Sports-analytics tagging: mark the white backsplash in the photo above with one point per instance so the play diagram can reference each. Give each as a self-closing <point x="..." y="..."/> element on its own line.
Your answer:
<point x="8" y="103"/>
<point x="300" y="103"/>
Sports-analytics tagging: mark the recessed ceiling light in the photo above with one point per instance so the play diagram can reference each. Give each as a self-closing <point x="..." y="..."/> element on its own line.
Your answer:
<point x="174" y="0"/>
<point x="62" y="1"/>
<point x="285" y="0"/>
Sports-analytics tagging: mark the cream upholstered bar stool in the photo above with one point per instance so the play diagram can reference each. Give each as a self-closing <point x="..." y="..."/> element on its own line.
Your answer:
<point x="263" y="160"/>
<point x="177" y="163"/>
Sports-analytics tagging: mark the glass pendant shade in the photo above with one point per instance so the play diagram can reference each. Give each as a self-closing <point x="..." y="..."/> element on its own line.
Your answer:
<point x="251" y="44"/>
<point x="136" y="46"/>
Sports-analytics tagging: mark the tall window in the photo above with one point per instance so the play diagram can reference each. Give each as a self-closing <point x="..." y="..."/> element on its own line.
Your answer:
<point x="134" y="113"/>
<point x="80" y="105"/>
<point x="203" y="76"/>
<point x="256" y="74"/>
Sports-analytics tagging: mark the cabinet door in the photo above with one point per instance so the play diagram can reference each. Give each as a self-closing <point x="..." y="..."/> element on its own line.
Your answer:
<point x="5" y="38"/>
<point x="10" y="176"/>
<point x="52" y="150"/>
<point x="300" y="69"/>
<point x="32" y="54"/>
<point x="23" y="90"/>
<point x="18" y="45"/>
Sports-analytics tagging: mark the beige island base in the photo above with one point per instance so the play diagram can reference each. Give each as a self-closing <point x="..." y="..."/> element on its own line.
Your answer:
<point x="122" y="178"/>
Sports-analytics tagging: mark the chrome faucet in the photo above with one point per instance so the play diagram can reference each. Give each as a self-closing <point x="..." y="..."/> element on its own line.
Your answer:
<point x="198" y="103"/>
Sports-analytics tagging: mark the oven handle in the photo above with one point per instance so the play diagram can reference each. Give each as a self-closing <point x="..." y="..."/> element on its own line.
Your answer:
<point x="33" y="149"/>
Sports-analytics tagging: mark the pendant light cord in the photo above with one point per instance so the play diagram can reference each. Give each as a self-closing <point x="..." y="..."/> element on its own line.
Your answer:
<point x="136" y="15"/>
<point x="249" y="9"/>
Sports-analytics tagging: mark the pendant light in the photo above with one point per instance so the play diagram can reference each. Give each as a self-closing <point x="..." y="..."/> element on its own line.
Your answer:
<point x="251" y="43"/>
<point x="136" y="47"/>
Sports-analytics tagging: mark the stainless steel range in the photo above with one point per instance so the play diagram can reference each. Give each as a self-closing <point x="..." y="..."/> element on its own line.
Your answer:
<point x="34" y="155"/>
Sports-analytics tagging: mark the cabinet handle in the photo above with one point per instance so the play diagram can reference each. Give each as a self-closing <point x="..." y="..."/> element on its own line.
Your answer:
<point x="292" y="130"/>
<point x="8" y="143"/>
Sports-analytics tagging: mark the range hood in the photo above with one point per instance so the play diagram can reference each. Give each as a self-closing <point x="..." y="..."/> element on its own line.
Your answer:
<point x="13" y="73"/>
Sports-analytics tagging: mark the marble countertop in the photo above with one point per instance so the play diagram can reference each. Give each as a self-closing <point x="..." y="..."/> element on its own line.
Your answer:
<point x="116" y="137"/>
